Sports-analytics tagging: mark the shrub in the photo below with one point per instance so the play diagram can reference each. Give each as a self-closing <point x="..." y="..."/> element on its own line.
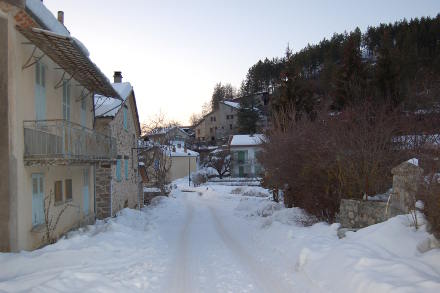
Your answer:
<point x="199" y="177"/>
<point x="430" y="195"/>
<point x="318" y="161"/>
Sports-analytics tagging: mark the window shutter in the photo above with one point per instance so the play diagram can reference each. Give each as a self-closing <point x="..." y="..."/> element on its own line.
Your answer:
<point x="118" y="170"/>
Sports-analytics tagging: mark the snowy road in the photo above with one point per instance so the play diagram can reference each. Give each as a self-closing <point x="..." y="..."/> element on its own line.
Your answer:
<point x="225" y="239"/>
<point x="209" y="257"/>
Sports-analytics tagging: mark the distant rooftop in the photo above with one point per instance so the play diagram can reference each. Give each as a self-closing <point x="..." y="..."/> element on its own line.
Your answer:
<point x="247" y="139"/>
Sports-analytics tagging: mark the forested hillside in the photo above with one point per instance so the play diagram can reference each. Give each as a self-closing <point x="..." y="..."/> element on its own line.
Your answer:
<point x="397" y="64"/>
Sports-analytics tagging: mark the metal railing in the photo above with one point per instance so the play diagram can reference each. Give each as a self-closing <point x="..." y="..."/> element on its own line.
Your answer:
<point x="61" y="139"/>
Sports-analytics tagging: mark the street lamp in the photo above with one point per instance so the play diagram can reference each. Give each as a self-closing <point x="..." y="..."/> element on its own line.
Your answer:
<point x="189" y="169"/>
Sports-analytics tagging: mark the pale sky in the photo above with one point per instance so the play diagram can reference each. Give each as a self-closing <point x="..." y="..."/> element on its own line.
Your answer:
<point x="174" y="52"/>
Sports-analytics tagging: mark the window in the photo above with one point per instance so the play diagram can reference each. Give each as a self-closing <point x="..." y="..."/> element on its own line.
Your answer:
<point x="230" y="126"/>
<point x="227" y="117"/>
<point x="211" y="130"/>
<point x="232" y="116"/>
<point x="125" y="117"/>
<point x="68" y="189"/>
<point x="58" y="191"/>
<point x="126" y="168"/>
<point x="66" y="100"/>
<point x="198" y="131"/>
<point x="118" y="169"/>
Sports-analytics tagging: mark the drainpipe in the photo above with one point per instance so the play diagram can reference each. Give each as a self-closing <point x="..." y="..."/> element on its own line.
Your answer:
<point x="94" y="191"/>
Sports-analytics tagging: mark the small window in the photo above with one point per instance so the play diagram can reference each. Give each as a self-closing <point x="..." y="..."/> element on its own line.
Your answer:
<point x="198" y="131"/>
<point x="231" y="117"/>
<point x="211" y="130"/>
<point x="118" y="169"/>
<point x="126" y="168"/>
<point x="58" y="191"/>
<point x="68" y="189"/>
<point x="230" y="126"/>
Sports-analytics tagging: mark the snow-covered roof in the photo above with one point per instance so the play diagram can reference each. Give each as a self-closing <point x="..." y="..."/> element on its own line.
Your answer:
<point x="107" y="107"/>
<point x="37" y="8"/>
<point x="232" y="104"/>
<point x="180" y="152"/>
<point x="247" y="139"/>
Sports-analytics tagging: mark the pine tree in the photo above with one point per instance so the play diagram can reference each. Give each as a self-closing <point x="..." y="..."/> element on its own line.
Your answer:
<point x="248" y="115"/>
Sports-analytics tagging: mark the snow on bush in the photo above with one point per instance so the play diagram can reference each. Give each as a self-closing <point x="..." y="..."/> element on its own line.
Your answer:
<point x="199" y="177"/>
<point x="252" y="191"/>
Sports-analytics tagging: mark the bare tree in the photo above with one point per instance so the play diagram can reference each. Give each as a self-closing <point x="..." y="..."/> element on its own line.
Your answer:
<point x="51" y="218"/>
<point x="220" y="160"/>
<point x="158" y="124"/>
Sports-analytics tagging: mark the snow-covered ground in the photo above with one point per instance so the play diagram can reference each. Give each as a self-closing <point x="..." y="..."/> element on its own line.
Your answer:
<point x="225" y="239"/>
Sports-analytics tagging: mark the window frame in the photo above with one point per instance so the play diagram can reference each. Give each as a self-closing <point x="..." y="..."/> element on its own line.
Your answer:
<point x="58" y="186"/>
<point x="68" y="191"/>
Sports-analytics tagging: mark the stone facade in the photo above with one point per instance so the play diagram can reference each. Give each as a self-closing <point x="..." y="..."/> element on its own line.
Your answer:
<point x="112" y="194"/>
<point x="218" y="124"/>
<point x="103" y="189"/>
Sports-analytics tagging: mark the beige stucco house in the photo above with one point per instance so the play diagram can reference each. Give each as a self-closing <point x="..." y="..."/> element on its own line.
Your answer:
<point x="118" y="184"/>
<point x="48" y="146"/>
<point x="218" y="124"/>
<point x="183" y="162"/>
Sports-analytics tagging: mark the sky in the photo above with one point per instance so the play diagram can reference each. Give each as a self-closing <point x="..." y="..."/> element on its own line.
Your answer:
<point x="174" y="52"/>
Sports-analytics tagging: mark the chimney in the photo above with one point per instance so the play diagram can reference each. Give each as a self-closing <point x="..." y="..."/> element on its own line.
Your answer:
<point x="117" y="77"/>
<point x="61" y="16"/>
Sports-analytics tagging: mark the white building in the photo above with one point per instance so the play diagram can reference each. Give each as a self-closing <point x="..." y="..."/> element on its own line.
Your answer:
<point x="244" y="150"/>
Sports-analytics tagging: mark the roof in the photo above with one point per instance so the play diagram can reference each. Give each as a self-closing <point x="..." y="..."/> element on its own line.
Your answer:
<point x="106" y="107"/>
<point x="232" y="104"/>
<point x="180" y="152"/>
<point x="55" y="41"/>
<point x="247" y="140"/>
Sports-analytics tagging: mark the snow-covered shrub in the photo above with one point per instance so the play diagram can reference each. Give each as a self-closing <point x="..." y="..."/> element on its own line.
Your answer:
<point x="237" y="190"/>
<point x="199" y="177"/>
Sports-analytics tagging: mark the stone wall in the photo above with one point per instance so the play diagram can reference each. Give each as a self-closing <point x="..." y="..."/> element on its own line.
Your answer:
<point x="354" y="214"/>
<point x="103" y="190"/>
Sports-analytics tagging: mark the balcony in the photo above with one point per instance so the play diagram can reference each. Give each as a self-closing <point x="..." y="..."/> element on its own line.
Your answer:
<point x="60" y="142"/>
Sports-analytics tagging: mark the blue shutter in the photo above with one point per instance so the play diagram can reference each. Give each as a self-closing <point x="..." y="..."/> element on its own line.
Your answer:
<point x="126" y="168"/>
<point x="37" y="199"/>
<point x="86" y="199"/>
<point x="125" y="117"/>
<point x="118" y="170"/>
<point x="40" y="91"/>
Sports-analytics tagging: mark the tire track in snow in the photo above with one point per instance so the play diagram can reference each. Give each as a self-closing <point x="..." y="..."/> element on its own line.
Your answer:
<point x="263" y="278"/>
<point x="181" y="279"/>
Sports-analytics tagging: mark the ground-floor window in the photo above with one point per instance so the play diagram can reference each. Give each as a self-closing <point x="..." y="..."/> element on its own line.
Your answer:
<point x="58" y="191"/>
<point x="68" y="189"/>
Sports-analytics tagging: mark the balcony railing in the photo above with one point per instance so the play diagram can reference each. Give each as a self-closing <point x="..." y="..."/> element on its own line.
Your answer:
<point x="66" y="142"/>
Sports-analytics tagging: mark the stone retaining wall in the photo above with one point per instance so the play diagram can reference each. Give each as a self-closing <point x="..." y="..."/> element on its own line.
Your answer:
<point x="355" y="214"/>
